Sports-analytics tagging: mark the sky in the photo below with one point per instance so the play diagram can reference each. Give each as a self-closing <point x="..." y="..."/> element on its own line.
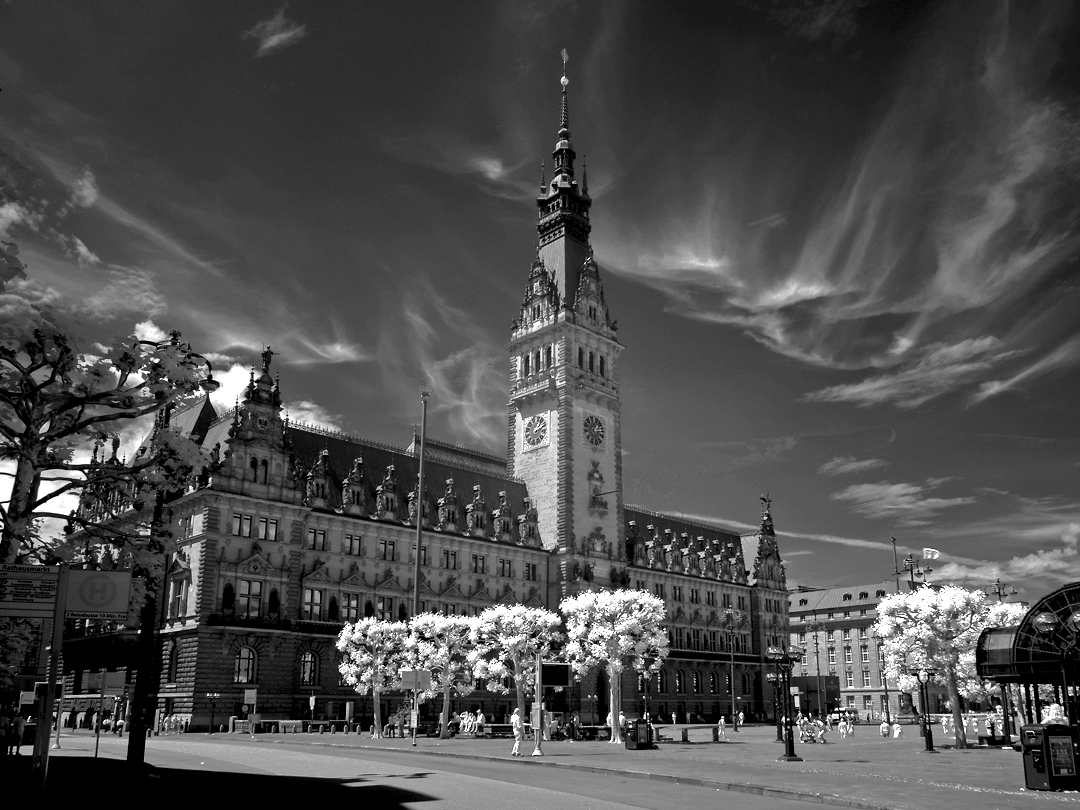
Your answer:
<point x="841" y="239"/>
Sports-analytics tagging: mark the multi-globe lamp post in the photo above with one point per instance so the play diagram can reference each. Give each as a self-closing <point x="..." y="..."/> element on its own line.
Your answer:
<point x="785" y="660"/>
<point x="774" y="679"/>
<point x="1002" y="590"/>
<point x="213" y="697"/>
<point x="880" y="640"/>
<point x="924" y="675"/>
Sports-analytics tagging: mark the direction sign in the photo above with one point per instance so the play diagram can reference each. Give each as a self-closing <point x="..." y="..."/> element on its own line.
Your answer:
<point x="794" y="690"/>
<point x="98" y="594"/>
<point x="28" y="591"/>
<point x="251" y="695"/>
<point x="416" y="679"/>
<point x="554" y="673"/>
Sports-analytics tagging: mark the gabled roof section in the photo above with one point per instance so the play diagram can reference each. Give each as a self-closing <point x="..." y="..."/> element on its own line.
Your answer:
<point x="848" y="597"/>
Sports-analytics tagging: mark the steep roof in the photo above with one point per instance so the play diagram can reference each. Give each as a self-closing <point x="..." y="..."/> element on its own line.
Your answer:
<point x="833" y="599"/>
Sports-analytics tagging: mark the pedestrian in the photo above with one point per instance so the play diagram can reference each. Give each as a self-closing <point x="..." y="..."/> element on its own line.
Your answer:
<point x="518" y="726"/>
<point x="673" y="718"/>
<point x="883" y="729"/>
<point x="897" y="731"/>
<point x="18" y="729"/>
<point x="742" y="720"/>
<point x="480" y="720"/>
<point x="622" y="721"/>
<point x="720" y="726"/>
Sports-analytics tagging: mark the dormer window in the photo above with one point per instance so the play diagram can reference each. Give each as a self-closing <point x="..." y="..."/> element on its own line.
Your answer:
<point x="880" y="594"/>
<point x="847" y="597"/>
<point x="803" y="602"/>
<point x="864" y="595"/>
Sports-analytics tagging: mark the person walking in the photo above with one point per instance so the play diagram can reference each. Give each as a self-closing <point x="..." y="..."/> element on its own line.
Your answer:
<point x="518" y="726"/>
<point x="720" y="726"/>
<point x="18" y="729"/>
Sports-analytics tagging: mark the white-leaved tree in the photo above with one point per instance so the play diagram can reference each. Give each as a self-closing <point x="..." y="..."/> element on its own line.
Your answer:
<point x="373" y="657"/>
<point x="618" y="630"/>
<point x="938" y="628"/>
<point x="506" y="642"/>
<point x="442" y="645"/>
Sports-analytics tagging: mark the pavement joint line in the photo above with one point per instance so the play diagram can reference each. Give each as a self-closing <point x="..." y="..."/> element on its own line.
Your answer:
<point x="829" y="799"/>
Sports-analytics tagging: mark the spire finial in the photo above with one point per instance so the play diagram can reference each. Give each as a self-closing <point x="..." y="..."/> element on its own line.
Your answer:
<point x="584" y="175"/>
<point x="543" y="176"/>
<point x="564" y="120"/>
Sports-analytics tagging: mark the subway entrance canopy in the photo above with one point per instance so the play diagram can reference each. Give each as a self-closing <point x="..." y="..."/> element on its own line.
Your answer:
<point x="1043" y="648"/>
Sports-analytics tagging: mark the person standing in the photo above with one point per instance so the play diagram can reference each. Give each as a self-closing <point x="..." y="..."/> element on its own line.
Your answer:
<point x="480" y="720"/>
<point x="742" y="719"/>
<point x="18" y="729"/>
<point x="720" y="725"/>
<point x="518" y="726"/>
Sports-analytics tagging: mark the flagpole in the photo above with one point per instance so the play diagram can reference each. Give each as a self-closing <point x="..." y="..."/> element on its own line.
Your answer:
<point x="895" y="565"/>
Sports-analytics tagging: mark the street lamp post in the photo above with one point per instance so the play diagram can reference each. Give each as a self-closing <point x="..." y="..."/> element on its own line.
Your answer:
<point x="424" y="394"/>
<point x="915" y="567"/>
<point x="144" y="671"/>
<point x="923" y="675"/>
<point x="1001" y="590"/>
<point x="785" y="661"/>
<point x="214" y="698"/>
<point x="817" y="626"/>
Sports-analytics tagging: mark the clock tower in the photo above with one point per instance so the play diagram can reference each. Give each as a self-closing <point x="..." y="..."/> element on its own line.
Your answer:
<point x="564" y="437"/>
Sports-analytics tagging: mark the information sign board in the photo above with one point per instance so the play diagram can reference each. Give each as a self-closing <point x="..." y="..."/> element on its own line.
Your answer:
<point x="419" y="679"/>
<point x="98" y="594"/>
<point x="29" y="591"/>
<point x="251" y="695"/>
<point x="1061" y="756"/>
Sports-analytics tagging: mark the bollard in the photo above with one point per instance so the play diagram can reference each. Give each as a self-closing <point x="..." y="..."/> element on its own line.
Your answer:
<point x="715" y="734"/>
<point x="322" y="729"/>
<point x="346" y="728"/>
<point x="333" y="729"/>
<point x="685" y="735"/>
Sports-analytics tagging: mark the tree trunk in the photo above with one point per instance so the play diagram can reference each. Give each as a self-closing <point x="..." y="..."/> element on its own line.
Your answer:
<point x="378" y="712"/>
<point x="521" y="698"/>
<point x="17" y="527"/>
<point x="444" y="733"/>
<point x="957" y="712"/>
<point x="615" y="678"/>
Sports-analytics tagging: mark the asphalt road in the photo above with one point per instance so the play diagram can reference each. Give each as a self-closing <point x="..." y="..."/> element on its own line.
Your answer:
<point x="391" y="779"/>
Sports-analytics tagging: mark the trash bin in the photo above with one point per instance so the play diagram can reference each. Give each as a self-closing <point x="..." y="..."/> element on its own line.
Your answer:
<point x="1050" y="757"/>
<point x="638" y="736"/>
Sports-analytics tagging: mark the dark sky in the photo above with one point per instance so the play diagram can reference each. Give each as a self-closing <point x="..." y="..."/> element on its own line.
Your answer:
<point x="841" y="239"/>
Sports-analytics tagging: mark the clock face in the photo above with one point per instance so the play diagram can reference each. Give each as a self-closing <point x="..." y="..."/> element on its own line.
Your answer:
<point x="592" y="430"/>
<point x="536" y="431"/>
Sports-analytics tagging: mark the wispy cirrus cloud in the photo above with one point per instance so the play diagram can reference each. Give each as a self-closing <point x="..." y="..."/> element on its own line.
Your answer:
<point x="275" y="34"/>
<point x="933" y="263"/>
<point x="1066" y="354"/>
<point x="844" y="465"/>
<point x="904" y="503"/>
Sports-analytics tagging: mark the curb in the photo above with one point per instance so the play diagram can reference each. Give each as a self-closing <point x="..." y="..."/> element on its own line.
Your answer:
<point x="829" y="799"/>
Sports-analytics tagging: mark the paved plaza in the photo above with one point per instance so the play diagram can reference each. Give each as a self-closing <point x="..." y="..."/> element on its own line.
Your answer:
<point x="864" y="772"/>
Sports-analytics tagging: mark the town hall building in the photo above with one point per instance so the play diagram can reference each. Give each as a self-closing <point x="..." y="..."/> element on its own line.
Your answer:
<point x="294" y="530"/>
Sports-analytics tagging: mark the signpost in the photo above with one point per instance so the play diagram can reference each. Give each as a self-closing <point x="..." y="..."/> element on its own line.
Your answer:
<point x="418" y="680"/>
<point x="252" y="696"/>
<point x="57" y="592"/>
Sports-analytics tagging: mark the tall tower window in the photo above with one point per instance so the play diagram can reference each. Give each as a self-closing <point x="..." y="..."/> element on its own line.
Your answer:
<point x="601" y="365"/>
<point x="580" y="357"/>
<point x="536" y="312"/>
<point x="592" y="363"/>
<point x="525" y="365"/>
<point x="547" y="358"/>
<point x="537" y="361"/>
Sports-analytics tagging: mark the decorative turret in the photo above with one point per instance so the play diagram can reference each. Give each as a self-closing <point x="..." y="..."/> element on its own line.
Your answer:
<point x="386" y="495"/>
<point x="352" y="490"/>
<point x="448" y="511"/>
<point x="502" y="520"/>
<point x="768" y="568"/>
<point x="476" y="515"/>
<point x="317" y="493"/>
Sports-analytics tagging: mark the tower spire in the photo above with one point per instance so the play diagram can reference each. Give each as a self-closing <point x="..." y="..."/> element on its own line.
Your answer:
<point x="564" y="119"/>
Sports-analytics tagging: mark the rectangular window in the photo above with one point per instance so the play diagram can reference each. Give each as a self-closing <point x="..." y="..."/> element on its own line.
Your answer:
<point x="850" y="698"/>
<point x="423" y="553"/>
<point x="832" y="655"/>
<point x="385" y="608"/>
<point x="506" y="568"/>
<point x="676" y="593"/>
<point x="639" y="584"/>
<point x="847" y="655"/>
<point x="862" y="632"/>
<point x="449" y="559"/>
<point x="802" y="638"/>
<point x="185" y="526"/>
<point x="713" y="645"/>
<point x="241" y="525"/>
<point x="478" y="564"/>
<point x="658" y="589"/>
<point x="866" y="677"/>
<point x="696" y="639"/>
<point x="679" y="637"/>
<point x="847" y="635"/>
<point x="268" y="529"/>
<point x="178" y="600"/>
<point x="386" y="550"/>
<point x="727" y="600"/>
<point x="695" y="596"/>
<point x="312" y="605"/>
<point x="354" y="545"/>
<point x="531" y="572"/>
<point x="867" y="702"/>
<point x="864" y="654"/>
<point x="849" y="680"/>
<point x="249" y="599"/>
<point x="316" y="539"/>
<point x="742" y="603"/>
<point x="351" y="604"/>
<point x="710" y="598"/>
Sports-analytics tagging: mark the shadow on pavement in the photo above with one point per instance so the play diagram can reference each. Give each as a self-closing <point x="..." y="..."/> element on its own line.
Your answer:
<point x="163" y="786"/>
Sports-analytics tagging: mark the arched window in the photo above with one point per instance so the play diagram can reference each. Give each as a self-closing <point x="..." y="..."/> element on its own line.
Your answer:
<point x="592" y="363"/>
<point x="547" y="357"/>
<point x="680" y="682"/>
<point x="228" y="598"/>
<point x="525" y="366"/>
<point x="273" y="606"/>
<point x="309" y="665"/>
<point x="369" y="609"/>
<point x="244" y="670"/>
<point x="174" y="662"/>
<point x="402" y="613"/>
<point x="580" y="357"/>
<point x="745" y="680"/>
<point x="332" y="610"/>
<point x="601" y="365"/>
<point x="697" y="683"/>
<point x="712" y="683"/>
<point x="266" y="465"/>
<point x="661" y="681"/>
<point x="537" y="361"/>
<point x="254" y="469"/>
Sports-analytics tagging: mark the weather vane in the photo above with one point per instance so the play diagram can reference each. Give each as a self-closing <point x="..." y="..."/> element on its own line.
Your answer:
<point x="565" y="56"/>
